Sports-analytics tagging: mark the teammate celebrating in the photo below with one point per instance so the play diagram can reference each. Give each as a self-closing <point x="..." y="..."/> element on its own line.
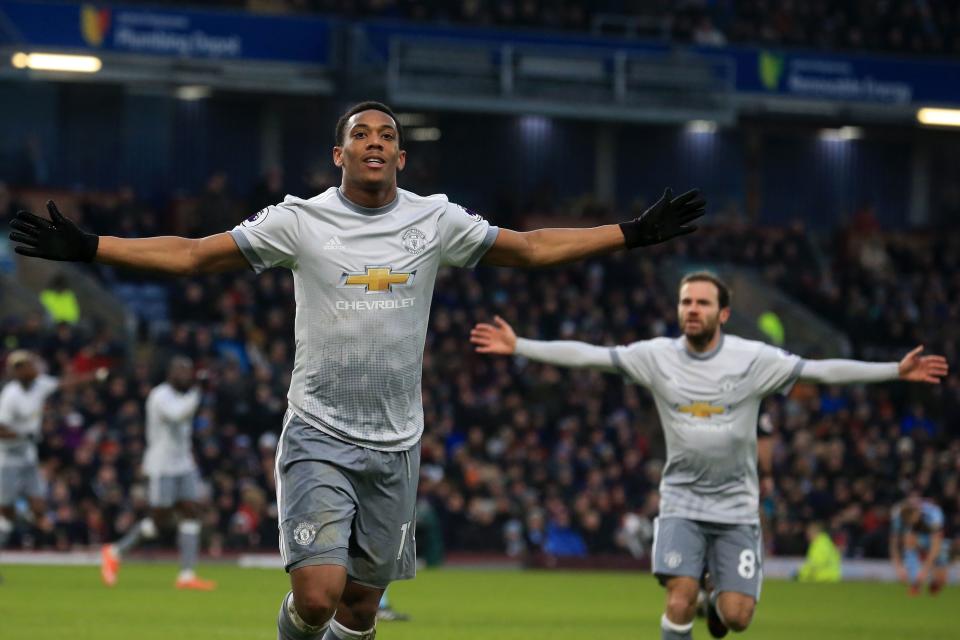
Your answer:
<point x="707" y="387"/>
<point x="917" y="546"/>
<point x="172" y="472"/>
<point x="364" y="257"/>
<point x="21" y="415"/>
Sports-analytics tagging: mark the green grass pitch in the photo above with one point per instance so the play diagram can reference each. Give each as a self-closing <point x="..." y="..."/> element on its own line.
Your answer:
<point x="69" y="602"/>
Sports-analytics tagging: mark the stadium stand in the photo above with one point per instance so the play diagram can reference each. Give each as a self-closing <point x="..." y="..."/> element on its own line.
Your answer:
<point x="902" y="26"/>
<point x="510" y="465"/>
<point x="823" y="136"/>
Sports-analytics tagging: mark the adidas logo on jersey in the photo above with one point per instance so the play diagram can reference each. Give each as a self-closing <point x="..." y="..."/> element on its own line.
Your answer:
<point x="334" y="244"/>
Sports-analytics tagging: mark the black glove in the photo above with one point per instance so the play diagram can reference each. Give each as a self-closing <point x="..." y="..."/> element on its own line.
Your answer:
<point x="55" y="239"/>
<point x="668" y="218"/>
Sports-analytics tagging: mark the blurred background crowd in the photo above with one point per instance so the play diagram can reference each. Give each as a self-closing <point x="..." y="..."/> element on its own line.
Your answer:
<point x="823" y="185"/>
<point x="914" y="26"/>
<point x="518" y="458"/>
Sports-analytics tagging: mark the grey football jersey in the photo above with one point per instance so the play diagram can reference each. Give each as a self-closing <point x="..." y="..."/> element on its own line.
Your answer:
<point x="363" y="283"/>
<point x="708" y="405"/>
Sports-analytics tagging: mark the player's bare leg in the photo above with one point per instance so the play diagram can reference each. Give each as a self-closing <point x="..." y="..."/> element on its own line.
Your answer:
<point x="735" y="609"/>
<point x="38" y="506"/>
<point x="677" y="620"/>
<point x="188" y="544"/>
<point x="938" y="580"/>
<point x="111" y="555"/>
<point x="356" y="617"/>
<point x="38" y="511"/>
<point x="911" y="559"/>
<point x="306" y="611"/>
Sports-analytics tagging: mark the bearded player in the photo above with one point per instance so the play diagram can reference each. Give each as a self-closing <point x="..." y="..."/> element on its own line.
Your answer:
<point x="707" y="387"/>
<point x="364" y="258"/>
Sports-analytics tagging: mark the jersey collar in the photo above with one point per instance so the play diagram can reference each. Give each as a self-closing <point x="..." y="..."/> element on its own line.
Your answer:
<point x="367" y="211"/>
<point x="706" y="355"/>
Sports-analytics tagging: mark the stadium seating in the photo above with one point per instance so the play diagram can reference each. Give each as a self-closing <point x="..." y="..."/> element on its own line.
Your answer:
<point x="519" y="457"/>
<point x="931" y="28"/>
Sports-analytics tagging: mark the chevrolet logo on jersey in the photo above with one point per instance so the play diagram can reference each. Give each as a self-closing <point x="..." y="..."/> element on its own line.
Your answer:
<point x="701" y="409"/>
<point x="377" y="279"/>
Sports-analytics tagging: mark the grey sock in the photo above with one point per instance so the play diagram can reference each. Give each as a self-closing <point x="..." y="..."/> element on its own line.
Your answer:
<point x="673" y="631"/>
<point x="339" y="632"/>
<point x="188" y="542"/>
<point x="141" y="529"/>
<point x="291" y="627"/>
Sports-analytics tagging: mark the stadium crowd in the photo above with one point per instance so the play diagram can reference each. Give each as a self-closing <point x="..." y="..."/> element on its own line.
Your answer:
<point x="908" y="26"/>
<point x="521" y="458"/>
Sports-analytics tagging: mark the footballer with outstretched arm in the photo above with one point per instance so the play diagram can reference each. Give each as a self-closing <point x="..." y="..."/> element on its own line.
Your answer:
<point x="707" y="387"/>
<point x="364" y="258"/>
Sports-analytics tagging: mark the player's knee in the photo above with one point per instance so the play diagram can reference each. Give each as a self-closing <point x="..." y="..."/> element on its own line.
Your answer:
<point x="163" y="517"/>
<point x="738" y="616"/>
<point x="363" y="613"/>
<point x="739" y="623"/>
<point x="316" y="605"/>
<point x="681" y="605"/>
<point x="190" y="510"/>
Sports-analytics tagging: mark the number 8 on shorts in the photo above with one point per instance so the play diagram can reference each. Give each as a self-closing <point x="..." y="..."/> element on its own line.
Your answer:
<point x="748" y="564"/>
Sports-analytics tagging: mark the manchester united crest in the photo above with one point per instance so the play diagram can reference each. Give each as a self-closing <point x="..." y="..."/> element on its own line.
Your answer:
<point x="414" y="241"/>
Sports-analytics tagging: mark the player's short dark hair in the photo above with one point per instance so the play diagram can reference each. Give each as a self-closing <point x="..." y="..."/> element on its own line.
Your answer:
<point x="723" y="291"/>
<point x="179" y="361"/>
<point x="909" y="511"/>
<point x="341" y="129"/>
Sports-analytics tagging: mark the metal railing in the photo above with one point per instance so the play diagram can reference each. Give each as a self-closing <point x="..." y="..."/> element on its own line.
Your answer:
<point x="585" y="82"/>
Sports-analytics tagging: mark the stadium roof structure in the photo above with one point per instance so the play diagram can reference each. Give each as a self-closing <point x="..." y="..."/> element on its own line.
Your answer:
<point x="443" y="67"/>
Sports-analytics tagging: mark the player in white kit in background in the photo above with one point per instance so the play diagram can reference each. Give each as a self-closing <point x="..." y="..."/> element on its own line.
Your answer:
<point x="364" y="258"/>
<point x="21" y="417"/>
<point x="707" y="387"/>
<point x="174" y="483"/>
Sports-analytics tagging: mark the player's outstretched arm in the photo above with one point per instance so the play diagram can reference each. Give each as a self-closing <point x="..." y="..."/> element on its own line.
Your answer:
<point x="59" y="238"/>
<point x="173" y="255"/>
<point x="668" y="218"/>
<point x="500" y="339"/>
<point x="913" y="368"/>
<point x="72" y="381"/>
<point x="918" y="368"/>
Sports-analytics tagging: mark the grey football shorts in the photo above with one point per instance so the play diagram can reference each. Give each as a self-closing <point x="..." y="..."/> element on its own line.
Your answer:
<point x="167" y="490"/>
<point x="19" y="480"/>
<point x="732" y="553"/>
<point x="346" y="505"/>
